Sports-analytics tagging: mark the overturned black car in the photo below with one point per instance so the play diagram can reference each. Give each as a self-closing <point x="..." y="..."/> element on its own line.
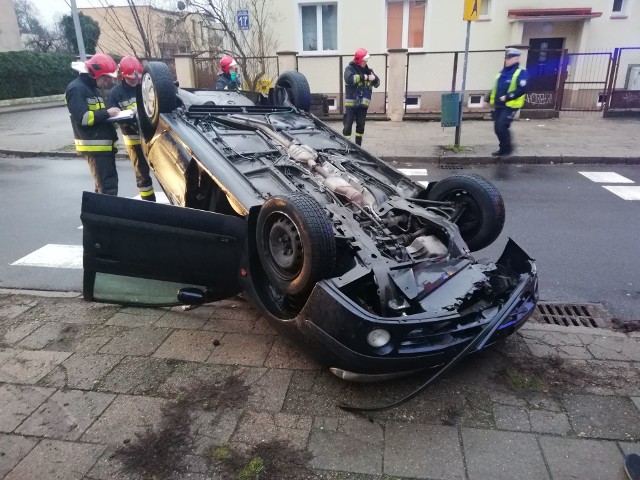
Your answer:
<point x="371" y="271"/>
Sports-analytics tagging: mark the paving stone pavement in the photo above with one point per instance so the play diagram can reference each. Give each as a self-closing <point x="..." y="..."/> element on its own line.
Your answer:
<point x="582" y="138"/>
<point x="92" y="391"/>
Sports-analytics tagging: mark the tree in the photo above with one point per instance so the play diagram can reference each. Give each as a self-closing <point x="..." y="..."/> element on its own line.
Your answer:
<point x="36" y="37"/>
<point x="249" y="47"/>
<point x="90" y="32"/>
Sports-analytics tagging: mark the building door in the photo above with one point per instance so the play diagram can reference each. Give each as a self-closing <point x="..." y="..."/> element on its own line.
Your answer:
<point x="543" y="63"/>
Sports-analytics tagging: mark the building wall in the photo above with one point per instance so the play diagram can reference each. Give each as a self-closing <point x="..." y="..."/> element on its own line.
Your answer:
<point x="9" y="32"/>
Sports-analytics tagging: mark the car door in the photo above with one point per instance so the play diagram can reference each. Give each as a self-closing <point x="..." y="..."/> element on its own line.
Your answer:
<point x="146" y="253"/>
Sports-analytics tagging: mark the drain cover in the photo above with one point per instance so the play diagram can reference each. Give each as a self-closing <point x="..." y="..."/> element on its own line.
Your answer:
<point x="590" y="315"/>
<point x="450" y="166"/>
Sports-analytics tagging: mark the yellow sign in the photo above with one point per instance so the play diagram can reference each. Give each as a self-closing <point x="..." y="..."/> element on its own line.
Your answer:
<point x="472" y="10"/>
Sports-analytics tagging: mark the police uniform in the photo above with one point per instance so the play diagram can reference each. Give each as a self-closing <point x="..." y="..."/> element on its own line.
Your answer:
<point x="95" y="138"/>
<point x="123" y="96"/>
<point x="358" y="93"/>
<point x="510" y="83"/>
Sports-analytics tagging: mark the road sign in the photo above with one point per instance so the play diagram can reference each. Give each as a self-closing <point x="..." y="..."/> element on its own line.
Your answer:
<point x="472" y="10"/>
<point x="243" y="19"/>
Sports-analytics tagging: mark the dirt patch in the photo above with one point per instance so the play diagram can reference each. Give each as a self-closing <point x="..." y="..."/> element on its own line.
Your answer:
<point x="158" y="453"/>
<point x="541" y="374"/>
<point x="625" y="326"/>
<point x="266" y="461"/>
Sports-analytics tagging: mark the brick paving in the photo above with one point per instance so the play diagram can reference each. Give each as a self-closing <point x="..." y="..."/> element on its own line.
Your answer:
<point x="80" y="383"/>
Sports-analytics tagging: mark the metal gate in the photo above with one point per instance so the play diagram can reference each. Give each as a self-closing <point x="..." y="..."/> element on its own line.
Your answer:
<point x="584" y="81"/>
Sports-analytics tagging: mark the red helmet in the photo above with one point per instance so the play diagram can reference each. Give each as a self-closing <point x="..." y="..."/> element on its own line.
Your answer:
<point x="227" y="62"/>
<point x="360" y="55"/>
<point x="130" y="67"/>
<point x="101" y="64"/>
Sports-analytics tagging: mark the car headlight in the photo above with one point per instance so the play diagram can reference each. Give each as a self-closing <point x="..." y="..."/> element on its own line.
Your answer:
<point x="378" y="338"/>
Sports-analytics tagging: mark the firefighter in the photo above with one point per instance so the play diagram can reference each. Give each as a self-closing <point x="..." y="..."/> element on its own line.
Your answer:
<point x="506" y="98"/>
<point x="95" y="137"/>
<point x="228" y="75"/>
<point x="123" y="96"/>
<point x="359" y="80"/>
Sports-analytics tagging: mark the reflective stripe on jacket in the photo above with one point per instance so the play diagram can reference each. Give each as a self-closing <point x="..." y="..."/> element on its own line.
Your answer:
<point x="89" y="115"/>
<point x="358" y="91"/>
<point x="515" y="103"/>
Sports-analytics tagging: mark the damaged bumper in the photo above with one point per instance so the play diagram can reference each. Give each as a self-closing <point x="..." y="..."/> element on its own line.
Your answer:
<point x="338" y="329"/>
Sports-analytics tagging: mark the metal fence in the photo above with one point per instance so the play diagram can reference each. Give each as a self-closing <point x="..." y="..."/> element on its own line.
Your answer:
<point x="262" y="71"/>
<point x="623" y="94"/>
<point x="583" y="81"/>
<point x="430" y="74"/>
<point x="325" y="76"/>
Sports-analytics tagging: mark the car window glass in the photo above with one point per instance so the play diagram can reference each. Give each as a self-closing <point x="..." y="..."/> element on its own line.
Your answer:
<point x="135" y="291"/>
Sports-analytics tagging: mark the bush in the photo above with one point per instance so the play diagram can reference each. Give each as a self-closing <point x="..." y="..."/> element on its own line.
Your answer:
<point x="32" y="74"/>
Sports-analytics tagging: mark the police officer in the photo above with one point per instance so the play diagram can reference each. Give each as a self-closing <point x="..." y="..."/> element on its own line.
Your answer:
<point x="123" y="96"/>
<point x="228" y="75"/>
<point x="95" y="137"/>
<point x="359" y="80"/>
<point x="506" y="98"/>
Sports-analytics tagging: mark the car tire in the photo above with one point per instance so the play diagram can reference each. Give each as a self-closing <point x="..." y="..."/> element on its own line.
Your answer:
<point x="155" y="95"/>
<point x="297" y="88"/>
<point x="483" y="217"/>
<point x="296" y="244"/>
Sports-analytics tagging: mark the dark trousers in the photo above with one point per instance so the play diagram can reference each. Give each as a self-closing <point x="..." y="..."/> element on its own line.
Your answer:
<point x="359" y="114"/>
<point x="103" y="169"/>
<point x="140" y="167"/>
<point x="502" y="118"/>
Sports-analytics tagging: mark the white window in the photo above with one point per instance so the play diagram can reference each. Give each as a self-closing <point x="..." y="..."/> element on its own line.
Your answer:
<point x="333" y="104"/>
<point x="319" y="27"/>
<point x="405" y="23"/>
<point x="476" y="101"/>
<point x="412" y="101"/>
<point x="485" y="8"/>
<point x="618" y="6"/>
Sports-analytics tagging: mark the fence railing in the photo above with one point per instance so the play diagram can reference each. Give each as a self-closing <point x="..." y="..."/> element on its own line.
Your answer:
<point x="325" y="76"/>
<point x="623" y="93"/>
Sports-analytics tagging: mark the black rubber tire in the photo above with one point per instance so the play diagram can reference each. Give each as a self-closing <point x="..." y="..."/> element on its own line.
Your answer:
<point x="164" y="96"/>
<point x="483" y="219"/>
<point x="295" y="221"/>
<point x="297" y="87"/>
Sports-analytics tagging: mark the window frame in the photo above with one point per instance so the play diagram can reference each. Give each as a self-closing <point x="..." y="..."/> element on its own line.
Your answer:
<point x="622" y="8"/>
<point x="405" y="25"/>
<point x="487" y="16"/>
<point x="320" y="38"/>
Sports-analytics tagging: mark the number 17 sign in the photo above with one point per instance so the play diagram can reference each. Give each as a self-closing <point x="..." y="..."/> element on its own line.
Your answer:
<point x="243" y="19"/>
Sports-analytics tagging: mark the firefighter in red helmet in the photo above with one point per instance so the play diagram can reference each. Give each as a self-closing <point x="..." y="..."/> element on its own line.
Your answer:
<point x="228" y="75"/>
<point x="95" y="137"/>
<point x="123" y="96"/>
<point x="359" y="82"/>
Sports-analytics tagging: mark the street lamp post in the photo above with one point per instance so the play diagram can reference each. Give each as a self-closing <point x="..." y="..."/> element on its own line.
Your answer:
<point x="76" y="23"/>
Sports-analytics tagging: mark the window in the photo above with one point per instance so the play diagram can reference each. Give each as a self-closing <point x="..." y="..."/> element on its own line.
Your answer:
<point x="405" y="23"/>
<point x="485" y="8"/>
<point x="412" y="101"/>
<point x="618" y="6"/>
<point x="319" y="27"/>
<point x="333" y="105"/>
<point x="476" y="101"/>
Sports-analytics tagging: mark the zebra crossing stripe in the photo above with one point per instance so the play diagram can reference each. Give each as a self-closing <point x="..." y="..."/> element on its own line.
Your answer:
<point x="413" y="172"/>
<point x="606" y="177"/>
<point x="625" y="192"/>
<point x="54" y="256"/>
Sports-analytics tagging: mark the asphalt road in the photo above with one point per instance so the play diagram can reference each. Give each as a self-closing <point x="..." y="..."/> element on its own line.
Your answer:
<point x="584" y="237"/>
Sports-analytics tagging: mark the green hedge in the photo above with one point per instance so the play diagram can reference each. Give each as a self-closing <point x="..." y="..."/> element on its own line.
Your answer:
<point x="31" y="74"/>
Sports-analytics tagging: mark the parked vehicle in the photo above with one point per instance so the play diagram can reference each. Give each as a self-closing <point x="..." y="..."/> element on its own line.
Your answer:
<point x="371" y="272"/>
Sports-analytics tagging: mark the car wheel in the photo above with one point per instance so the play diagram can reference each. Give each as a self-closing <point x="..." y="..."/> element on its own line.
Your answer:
<point x="296" y="243"/>
<point x="297" y="88"/>
<point x="156" y="94"/>
<point x="479" y="211"/>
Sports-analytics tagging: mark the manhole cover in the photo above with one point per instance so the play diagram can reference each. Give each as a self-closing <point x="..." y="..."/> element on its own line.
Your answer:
<point x="590" y="315"/>
<point x="450" y="166"/>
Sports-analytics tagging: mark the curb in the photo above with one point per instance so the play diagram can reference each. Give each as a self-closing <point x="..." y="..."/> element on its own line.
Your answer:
<point x="32" y="154"/>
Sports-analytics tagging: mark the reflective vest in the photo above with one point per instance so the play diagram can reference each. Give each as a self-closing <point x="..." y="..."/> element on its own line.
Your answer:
<point x="516" y="102"/>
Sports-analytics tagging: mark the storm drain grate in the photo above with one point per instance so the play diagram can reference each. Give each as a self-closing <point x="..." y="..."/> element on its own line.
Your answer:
<point x="589" y="315"/>
<point x="451" y="166"/>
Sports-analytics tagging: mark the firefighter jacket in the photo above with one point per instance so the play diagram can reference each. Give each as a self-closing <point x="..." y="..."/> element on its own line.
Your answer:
<point x="511" y="82"/>
<point x="123" y="96"/>
<point x="358" y="91"/>
<point x="92" y="133"/>
<point x="225" y="83"/>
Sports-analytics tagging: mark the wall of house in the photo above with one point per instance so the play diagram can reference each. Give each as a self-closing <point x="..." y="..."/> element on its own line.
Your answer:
<point x="9" y="32"/>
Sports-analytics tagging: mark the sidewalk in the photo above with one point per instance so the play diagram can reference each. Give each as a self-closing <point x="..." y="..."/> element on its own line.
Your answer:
<point x="582" y="139"/>
<point x="100" y="392"/>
